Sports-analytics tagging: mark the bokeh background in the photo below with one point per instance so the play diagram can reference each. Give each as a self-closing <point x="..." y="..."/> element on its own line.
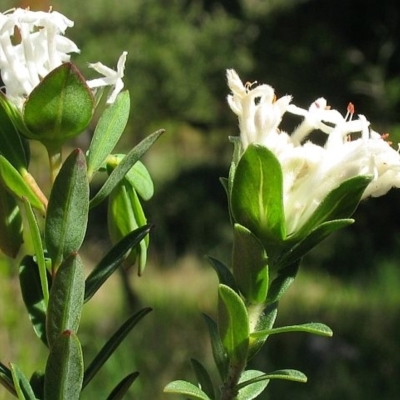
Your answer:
<point x="178" y="53"/>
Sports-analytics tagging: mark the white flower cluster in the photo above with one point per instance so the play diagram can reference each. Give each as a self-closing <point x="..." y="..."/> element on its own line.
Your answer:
<point x="32" y="44"/>
<point x="311" y="171"/>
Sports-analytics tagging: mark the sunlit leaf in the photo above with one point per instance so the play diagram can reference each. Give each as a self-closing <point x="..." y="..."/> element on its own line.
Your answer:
<point x="66" y="298"/>
<point x="64" y="368"/>
<point x="60" y="107"/>
<point x="187" y="389"/>
<point x="108" y="131"/>
<point x="68" y="208"/>
<point x="233" y="324"/>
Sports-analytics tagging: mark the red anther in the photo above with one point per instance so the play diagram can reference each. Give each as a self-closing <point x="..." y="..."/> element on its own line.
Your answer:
<point x="350" y="108"/>
<point x="385" y="136"/>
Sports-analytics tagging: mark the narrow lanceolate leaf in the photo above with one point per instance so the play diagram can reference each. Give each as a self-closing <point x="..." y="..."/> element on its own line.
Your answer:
<point x="233" y="324"/>
<point x="60" y="107"/>
<point x="21" y="384"/>
<point x="339" y="204"/>
<point x="285" y="374"/>
<point x="252" y="389"/>
<point x="203" y="378"/>
<point x="282" y="282"/>
<point x="112" y="260"/>
<point x="108" y="131"/>
<point x="250" y="265"/>
<point x="225" y="275"/>
<point x="68" y="209"/>
<point x="112" y="344"/>
<point x="120" y="390"/>
<point x="219" y="353"/>
<point x="313" y="327"/>
<point x="6" y="379"/>
<point x="186" y="389"/>
<point x="257" y="194"/>
<point x="66" y="298"/>
<point x="64" y="369"/>
<point x="38" y="247"/>
<point x="321" y="232"/>
<point x="123" y="167"/>
<point x="11" y="237"/>
<point x="32" y="294"/>
<point x="13" y="181"/>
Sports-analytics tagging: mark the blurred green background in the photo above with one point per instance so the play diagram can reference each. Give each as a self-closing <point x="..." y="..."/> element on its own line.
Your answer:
<point x="178" y="53"/>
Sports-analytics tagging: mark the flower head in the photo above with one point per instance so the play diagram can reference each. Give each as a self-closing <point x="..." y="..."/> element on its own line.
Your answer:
<point x="311" y="171"/>
<point x="38" y="48"/>
<point x="42" y="47"/>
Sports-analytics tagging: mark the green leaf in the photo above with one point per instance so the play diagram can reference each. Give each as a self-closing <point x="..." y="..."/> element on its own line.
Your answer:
<point x="108" y="131"/>
<point x="187" y="389"/>
<point x="112" y="344"/>
<point x="225" y="276"/>
<point x="68" y="208"/>
<point x="316" y="236"/>
<point x="203" y="378"/>
<point x="112" y="260"/>
<point x="249" y="264"/>
<point x="253" y="388"/>
<point x="66" y="298"/>
<point x="257" y="194"/>
<point x="339" y="204"/>
<point x="123" y="167"/>
<point x="285" y="374"/>
<point x="21" y="384"/>
<point x="38" y="247"/>
<point x="282" y="282"/>
<point x="139" y="177"/>
<point x="32" y="294"/>
<point x="37" y="384"/>
<point x="315" y="328"/>
<point x="265" y="321"/>
<point x="60" y="107"/>
<point x="233" y="324"/>
<point x="64" y="368"/>
<point x="14" y="182"/>
<point x="120" y="390"/>
<point x="12" y="145"/>
<point x="219" y="353"/>
<point x="6" y="379"/>
<point x="11" y="237"/>
<point x="125" y="214"/>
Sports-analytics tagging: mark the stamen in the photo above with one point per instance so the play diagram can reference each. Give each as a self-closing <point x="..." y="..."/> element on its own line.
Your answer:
<point x="350" y="112"/>
<point x="248" y="85"/>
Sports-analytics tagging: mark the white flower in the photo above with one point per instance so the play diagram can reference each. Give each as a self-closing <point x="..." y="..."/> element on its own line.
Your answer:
<point x="111" y="77"/>
<point x="41" y="49"/>
<point x="311" y="171"/>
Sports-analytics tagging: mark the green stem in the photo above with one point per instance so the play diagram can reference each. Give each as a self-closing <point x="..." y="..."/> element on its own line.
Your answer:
<point x="55" y="159"/>
<point x="229" y="389"/>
